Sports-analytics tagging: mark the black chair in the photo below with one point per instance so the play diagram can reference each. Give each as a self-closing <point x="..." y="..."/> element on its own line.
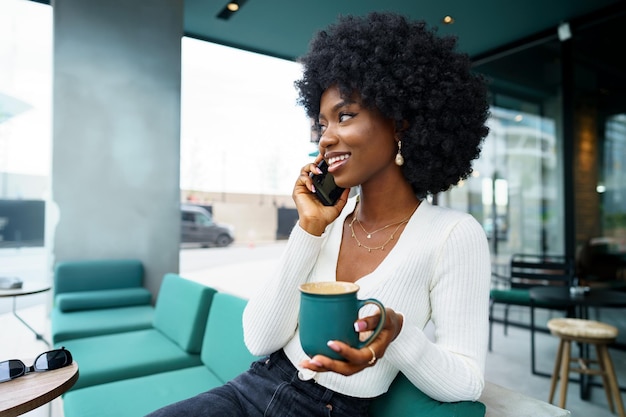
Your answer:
<point x="527" y="271"/>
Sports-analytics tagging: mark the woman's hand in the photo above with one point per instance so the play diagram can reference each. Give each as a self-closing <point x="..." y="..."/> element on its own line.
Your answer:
<point x="313" y="216"/>
<point x="359" y="359"/>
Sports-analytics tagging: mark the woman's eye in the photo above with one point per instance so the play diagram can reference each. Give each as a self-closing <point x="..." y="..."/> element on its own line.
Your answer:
<point x="345" y="116"/>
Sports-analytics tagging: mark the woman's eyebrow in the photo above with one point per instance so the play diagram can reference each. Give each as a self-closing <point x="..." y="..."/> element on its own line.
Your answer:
<point x="338" y="105"/>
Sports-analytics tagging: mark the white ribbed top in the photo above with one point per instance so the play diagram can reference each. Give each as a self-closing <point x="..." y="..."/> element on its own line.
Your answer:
<point x="438" y="270"/>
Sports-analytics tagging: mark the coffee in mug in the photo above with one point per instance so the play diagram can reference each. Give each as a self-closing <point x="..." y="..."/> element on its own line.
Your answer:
<point x="328" y="311"/>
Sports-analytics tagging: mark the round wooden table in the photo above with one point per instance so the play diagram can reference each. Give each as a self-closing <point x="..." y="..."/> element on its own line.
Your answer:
<point x="28" y="288"/>
<point x="35" y="389"/>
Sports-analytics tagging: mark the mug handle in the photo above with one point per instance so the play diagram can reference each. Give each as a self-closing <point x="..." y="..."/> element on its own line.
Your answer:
<point x="381" y="323"/>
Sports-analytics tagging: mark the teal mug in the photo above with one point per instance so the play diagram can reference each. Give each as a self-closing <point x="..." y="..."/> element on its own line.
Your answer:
<point x="328" y="311"/>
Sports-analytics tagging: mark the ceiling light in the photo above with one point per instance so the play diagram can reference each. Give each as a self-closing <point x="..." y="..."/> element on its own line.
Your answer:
<point x="231" y="7"/>
<point x="448" y="20"/>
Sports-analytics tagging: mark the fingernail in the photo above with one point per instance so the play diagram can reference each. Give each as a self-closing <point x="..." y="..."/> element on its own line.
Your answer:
<point x="312" y="188"/>
<point x="359" y="326"/>
<point x="306" y="363"/>
<point x="334" y="346"/>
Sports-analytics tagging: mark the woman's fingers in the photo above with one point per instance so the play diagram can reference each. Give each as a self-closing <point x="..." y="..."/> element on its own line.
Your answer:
<point x="305" y="178"/>
<point x="392" y="325"/>
<point x="356" y="359"/>
<point x="313" y="216"/>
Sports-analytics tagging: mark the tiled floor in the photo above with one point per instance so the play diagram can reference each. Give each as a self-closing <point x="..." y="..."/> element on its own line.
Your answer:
<point x="507" y="365"/>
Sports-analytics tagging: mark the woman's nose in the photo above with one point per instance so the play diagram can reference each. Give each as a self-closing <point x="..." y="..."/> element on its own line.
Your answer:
<point x="327" y="138"/>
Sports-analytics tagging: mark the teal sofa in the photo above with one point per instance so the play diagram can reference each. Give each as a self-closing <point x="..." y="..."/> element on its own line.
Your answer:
<point x="173" y="341"/>
<point x="223" y="356"/>
<point x="95" y="297"/>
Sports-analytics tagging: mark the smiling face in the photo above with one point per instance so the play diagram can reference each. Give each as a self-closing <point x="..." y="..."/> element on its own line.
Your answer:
<point x="358" y="143"/>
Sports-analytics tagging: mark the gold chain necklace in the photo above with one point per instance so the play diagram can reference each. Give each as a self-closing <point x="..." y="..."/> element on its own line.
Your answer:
<point x="381" y="247"/>
<point x="369" y="234"/>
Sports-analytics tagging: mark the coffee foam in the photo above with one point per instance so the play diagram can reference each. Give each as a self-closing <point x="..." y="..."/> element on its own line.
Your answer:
<point x="329" y="287"/>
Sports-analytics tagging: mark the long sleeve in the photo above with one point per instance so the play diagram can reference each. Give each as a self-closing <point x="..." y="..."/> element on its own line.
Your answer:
<point x="271" y="316"/>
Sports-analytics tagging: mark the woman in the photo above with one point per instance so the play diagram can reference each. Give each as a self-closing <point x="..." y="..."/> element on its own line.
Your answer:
<point x="399" y="116"/>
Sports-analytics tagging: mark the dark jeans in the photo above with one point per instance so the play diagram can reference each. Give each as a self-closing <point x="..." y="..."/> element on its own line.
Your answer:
<point x="270" y="388"/>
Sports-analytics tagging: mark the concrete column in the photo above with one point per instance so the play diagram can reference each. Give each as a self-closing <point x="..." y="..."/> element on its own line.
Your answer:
<point x="116" y="132"/>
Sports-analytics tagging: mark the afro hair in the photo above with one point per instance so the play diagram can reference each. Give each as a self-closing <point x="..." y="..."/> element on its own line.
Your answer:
<point x="411" y="75"/>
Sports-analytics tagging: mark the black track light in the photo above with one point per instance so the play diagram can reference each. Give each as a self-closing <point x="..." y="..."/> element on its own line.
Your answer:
<point x="231" y="8"/>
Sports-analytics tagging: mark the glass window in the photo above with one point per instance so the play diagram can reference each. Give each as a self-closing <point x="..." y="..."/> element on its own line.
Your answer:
<point x="612" y="185"/>
<point x="25" y="99"/>
<point x="599" y="77"/>
<point x="516" y="190"/>
<point x="203" y="220"/>
<point x="513" y="191"/>
<point x="241" y="128"/>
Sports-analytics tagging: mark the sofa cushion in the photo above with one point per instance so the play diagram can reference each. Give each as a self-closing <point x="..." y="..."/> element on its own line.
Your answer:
<point x="101" y="274"/>
<point x="138" y="396"/>
<point x="223" y="352"/>
<point x="403" y="399"/>
<point x="91" y="300"/>
<point x="137" y="353"/>
<point x="223" y="338"/>
<point x="180" y="314"/>
<point x="87" y="323"/>
<point x="181" y="311"/>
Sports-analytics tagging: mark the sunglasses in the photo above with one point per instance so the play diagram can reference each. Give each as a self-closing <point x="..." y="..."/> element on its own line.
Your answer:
<point x="47" y="361"/>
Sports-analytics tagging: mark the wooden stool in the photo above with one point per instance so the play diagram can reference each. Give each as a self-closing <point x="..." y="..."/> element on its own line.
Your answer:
<point x="590" y="332"/>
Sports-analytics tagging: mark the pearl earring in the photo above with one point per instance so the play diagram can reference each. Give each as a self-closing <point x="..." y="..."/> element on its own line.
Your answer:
<point x="399" y="158"/>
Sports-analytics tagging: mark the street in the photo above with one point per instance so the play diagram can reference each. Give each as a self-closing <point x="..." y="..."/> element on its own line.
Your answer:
<point x="197" y="259"/>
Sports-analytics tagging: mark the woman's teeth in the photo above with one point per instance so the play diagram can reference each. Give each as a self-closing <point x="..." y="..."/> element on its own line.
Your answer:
<point x="337" y="159"/>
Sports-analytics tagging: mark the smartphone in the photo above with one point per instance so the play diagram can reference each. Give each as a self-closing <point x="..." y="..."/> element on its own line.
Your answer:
<point x="325" y="188"/>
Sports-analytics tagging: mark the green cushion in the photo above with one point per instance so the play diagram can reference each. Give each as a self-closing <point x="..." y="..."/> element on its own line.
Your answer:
<point x="89" y="300"/>
<point x="174" y="342"/>
<point x="138" y="396"/>
<point x="89" y="275"/>
<point x="126" y="355"/>
<point x="511" y="296"/>
<point x="403" y="399"/>
<point x="519" y="296"/>
<point x="223" y="349"/>
<point x="87" y="323"/>
<point x="223" y="338"/>
<point x="181" y="311"/>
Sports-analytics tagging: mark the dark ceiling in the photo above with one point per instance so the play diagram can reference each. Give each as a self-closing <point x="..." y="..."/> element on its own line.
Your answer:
<point x="283" y="28"/>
